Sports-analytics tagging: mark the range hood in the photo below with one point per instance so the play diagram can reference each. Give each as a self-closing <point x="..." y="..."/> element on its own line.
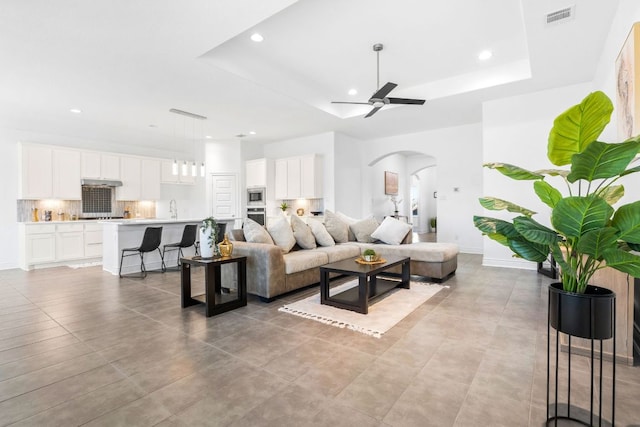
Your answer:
<point x="101" y="182"/>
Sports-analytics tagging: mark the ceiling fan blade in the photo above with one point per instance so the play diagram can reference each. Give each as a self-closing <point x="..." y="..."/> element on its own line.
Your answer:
<point x="406" y="101"/>
<point x="372" y="112"/>
<point x="349" y="102"/>
<point x="384" y="91"/>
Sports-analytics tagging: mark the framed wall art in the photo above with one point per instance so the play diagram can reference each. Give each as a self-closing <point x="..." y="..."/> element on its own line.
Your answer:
<point x="390" y="183"/>
<point x="627" y="81"/>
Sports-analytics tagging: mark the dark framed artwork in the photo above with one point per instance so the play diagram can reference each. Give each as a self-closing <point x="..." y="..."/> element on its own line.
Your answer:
<point x="390" y="183"/>
<point x="627" y="94"/>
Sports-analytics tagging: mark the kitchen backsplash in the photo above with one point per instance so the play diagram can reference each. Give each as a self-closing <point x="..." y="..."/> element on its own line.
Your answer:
<point x="63" y="210"/>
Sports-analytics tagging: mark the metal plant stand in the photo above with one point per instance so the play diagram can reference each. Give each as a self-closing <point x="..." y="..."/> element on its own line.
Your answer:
<point x="593" y="412"/>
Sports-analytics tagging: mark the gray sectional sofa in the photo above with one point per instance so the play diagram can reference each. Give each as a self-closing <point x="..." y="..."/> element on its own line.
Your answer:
<point x="271" y="273"/>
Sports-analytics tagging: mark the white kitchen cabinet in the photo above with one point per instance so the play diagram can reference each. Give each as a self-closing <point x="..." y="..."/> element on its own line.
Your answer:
<point x="167" y="176"/>
<point x="66" y="175"/>
<point x="149" y="179"/>
<point x="256" y="173"/>
<point x="311" y="177"/>
<point x="36" y="172"/>
<point x="69" y="241"/>
<point x="37" y="244"/>
<point x="98" y="165"/>
<point x="92" y="240"/>
<point x="281" y="190"/>
<point x="299" y="177"/>
<point x="130" y="175"/>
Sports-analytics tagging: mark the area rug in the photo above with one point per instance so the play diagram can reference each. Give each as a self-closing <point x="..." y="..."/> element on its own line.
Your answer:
<point x="383" y="314"/>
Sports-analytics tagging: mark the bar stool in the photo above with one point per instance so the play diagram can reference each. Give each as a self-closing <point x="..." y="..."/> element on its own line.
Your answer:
<point x="150" y="242"/>
<point x="188" y="240"/>
<point x="222" y="227"/>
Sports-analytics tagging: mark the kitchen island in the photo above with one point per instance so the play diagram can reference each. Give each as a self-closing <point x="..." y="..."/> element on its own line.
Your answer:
<point x="118" y="234"/>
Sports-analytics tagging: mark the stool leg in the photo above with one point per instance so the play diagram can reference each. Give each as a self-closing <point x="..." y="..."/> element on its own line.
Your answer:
<point x="163" y="267"/>
<point x="143" y="269"/>
<point x="120" y="271"/>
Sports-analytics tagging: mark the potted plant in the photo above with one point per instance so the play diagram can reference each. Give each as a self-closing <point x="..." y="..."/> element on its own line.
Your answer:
<point x="208" y="237"/>
<point x="587" y="233"/>
<point x="432" y="223"/>
<point x="369" y="255"/>
<point x="284" y="206"/>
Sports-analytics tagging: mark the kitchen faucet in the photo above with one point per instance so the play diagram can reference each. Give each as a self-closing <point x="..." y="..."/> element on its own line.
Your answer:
<point x="173" y="209"/>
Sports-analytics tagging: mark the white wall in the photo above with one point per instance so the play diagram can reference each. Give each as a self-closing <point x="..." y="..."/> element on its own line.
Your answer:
<point x="348" y="177"/>
<point x="515" y="131"/>
<point x="378" y="203"/>
<point x="427" y="204"/>
<point x="457" y="151"/>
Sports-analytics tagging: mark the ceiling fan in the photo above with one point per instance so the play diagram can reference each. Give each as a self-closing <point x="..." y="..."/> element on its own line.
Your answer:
<point x="380" y="98"/>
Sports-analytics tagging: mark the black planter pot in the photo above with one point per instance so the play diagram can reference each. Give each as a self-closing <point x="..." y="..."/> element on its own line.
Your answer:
<point x="588" y="315"/>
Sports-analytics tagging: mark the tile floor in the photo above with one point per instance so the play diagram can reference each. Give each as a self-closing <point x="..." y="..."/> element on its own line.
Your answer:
<point x="82" y="347"/>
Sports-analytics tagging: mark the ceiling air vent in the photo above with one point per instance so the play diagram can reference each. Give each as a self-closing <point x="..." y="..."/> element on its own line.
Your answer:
<point x="560" y="15"/>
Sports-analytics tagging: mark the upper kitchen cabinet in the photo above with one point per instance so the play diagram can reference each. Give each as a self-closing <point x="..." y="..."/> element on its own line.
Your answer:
<point x="167" y="176"/>
<point x="256" y="173"/>
<point x="149" y="179"/>
<point x="66" y="175"/>
<point x="36" y="164"/>
<point x="299" y="177"/>
<point x="100" y="165"/>
<point x="49" y="173"/>
<point x="130" y="175"/>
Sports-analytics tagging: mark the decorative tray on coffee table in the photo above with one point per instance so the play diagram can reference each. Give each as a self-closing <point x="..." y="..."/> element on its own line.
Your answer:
<point x="378" y="260"/>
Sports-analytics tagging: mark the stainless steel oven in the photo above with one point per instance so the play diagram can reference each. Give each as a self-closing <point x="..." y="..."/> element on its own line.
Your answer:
<point x="256" y="196"/>
<point x="257" y="214"/>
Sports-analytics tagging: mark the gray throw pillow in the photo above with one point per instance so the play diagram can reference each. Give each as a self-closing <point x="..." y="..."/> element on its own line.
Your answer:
<point x="255" y="233"/>
<point x="302" y="233"/>
<point x="349" y="221"/>
<point x="337" y="228"/>
<point x="320" y="233"/>
<point x="282" y="234"/>
<point x="362" y="229"/>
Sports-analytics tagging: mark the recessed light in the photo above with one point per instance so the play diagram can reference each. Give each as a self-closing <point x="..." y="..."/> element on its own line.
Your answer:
<point x="76" y="110"/>
<point x="484" y="55"/>
<point x="252" y="133"/>
<point x="208" y="137"/>
<point x="257" y="37"/>
<point x="352" y="92"/>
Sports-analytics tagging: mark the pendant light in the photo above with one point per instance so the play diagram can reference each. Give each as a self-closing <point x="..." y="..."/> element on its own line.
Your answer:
<point x="184" y="168"/>
<point x="174" y="167"/>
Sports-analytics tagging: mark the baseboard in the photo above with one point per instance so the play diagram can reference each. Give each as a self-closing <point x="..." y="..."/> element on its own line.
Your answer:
<point x="504" y="263"/>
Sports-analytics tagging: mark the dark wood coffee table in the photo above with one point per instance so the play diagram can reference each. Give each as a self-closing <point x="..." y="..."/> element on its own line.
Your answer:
<point x="371" y="282"/>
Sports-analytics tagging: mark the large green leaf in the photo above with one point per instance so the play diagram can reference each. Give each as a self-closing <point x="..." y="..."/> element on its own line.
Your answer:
<point x="578" y="127"/>
<point x="601" y="160"/>
<point x="596" y="242"/>
<point x="513" y="172"/>
<point x="491" y="226"/>
<point x="549" y="195"/>
<point x="554" y="172"/>
<point x="623" y="261"/>
<point x="534" y="231"/>
<point x="529" y="250"/>
<point x="612" y="194"/>
<point x="574" y="216"/>
<point x="503" y="240"/>
<point x="495" y="204"/>
<point x="627" y="221"/>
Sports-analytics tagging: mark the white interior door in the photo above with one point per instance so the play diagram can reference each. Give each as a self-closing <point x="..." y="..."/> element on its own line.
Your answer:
<point x="225" y="196"/>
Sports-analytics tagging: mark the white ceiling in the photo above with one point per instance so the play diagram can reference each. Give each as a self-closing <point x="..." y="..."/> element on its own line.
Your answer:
<point x="125" y="63"/>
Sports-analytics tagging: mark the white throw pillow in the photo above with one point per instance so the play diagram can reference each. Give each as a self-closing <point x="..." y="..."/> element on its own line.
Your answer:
<point x="320" y="232"/>
<point x="302" y="233"/>
<point x="391" y="231"/>
<point x="363" y="229"/>
<point x="337" y="228"/>
<point x="255" y="233"/>
<point x="282" y="234"/>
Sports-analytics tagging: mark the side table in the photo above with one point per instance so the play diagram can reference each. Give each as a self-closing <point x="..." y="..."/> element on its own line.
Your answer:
<point x="216" y="300"/>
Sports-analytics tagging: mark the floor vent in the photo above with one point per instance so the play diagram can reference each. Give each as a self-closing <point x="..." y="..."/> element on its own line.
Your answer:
<point x="560" y="15"/>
